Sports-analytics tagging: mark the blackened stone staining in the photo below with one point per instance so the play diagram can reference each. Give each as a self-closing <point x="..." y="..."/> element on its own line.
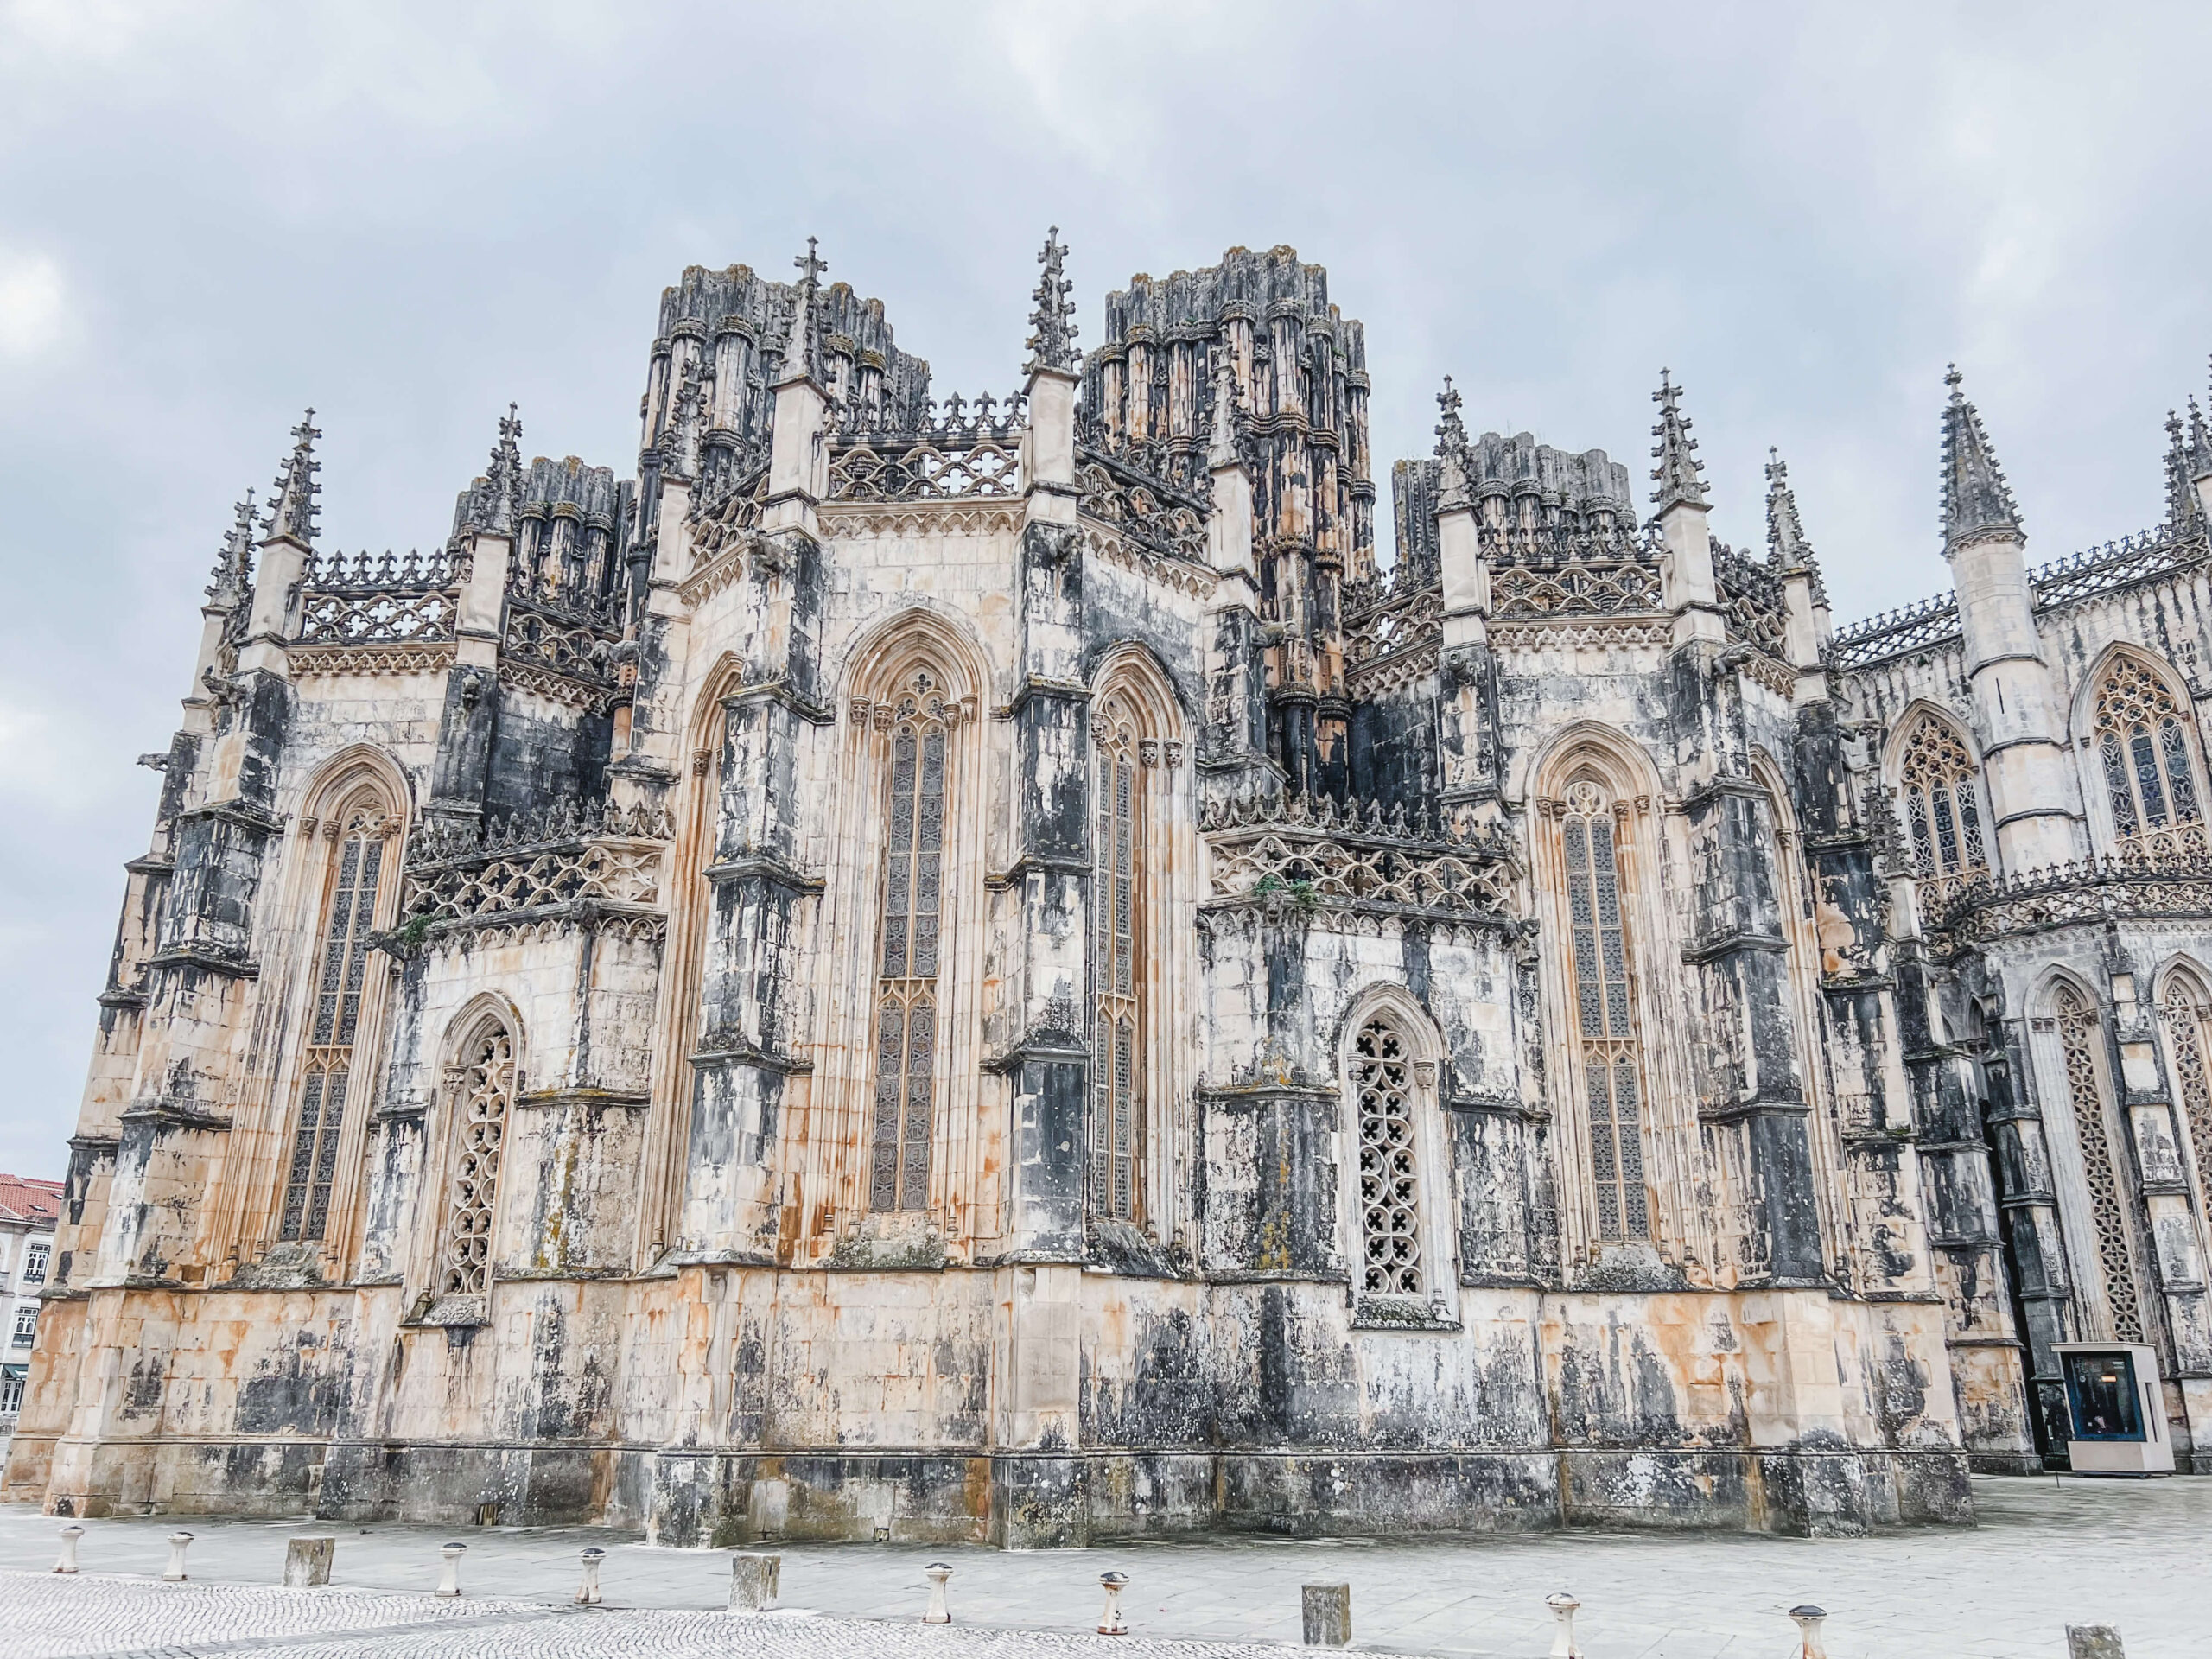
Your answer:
<point x="912" y="869"/>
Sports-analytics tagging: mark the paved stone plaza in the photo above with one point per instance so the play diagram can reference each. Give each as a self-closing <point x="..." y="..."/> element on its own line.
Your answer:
<point x="2135" y="1554"/>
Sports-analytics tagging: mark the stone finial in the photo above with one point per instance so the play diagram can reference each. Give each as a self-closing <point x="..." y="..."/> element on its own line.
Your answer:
<point x="1679" y="475"/>
<point x="802" y="346"/>
<point x="1786" y="546"/>
<point x="1051" y="317"/>
<point x="297" y="496"/>
<point x="1221" y="447"/>
<point x="1450" y="430"/>
<point x="493" y="503"/>
<point x="233" y="577"/>
<point x="2200" y="444"/>
<point x="1977" y="502"/>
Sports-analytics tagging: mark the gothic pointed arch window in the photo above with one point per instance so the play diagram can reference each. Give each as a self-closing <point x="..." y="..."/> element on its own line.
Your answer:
<point x="341" y="1004"/>
<point x="1390" y="1196"/>
<point x="902" y="1126"/>
<point x="2080" y="1032"/>
<point x="481" y="1085"/>
<point x="1117" y="967"/>
<point x="1942" y="808"/>
<point x="2186" y="1010"/>
<point x="2145" y="757"/>
<point x="1603" y="1015"/>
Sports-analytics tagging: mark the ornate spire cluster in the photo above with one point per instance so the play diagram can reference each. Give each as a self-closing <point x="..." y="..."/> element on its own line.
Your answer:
<point x="493" y="503"/>
<point x="1977" y="501"/>
<point x="1051" y="317"/>
<point x="1451" y="450"/>
<point x="1679" y="476"/>
<point x="2183" y="508"/>
<point x="1786" y="546"/>
<point x="234" y="559"/>
<point x="296" y="497"/>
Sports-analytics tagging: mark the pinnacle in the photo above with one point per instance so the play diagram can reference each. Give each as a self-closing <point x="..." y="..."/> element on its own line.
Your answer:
<point x="296" y="497"/>
<point x="1450" y="430"/>
<point x="234" y="559"/>
<point x="802" y="346"/>
<point x="1051" y="316"/>
<point x="1679" y="475"/>
<point x="1785" y="532"/>
<point x="1977" y="501"/>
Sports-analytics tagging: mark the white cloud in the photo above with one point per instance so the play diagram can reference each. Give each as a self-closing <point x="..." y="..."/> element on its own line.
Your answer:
<point x="33" y="304"/>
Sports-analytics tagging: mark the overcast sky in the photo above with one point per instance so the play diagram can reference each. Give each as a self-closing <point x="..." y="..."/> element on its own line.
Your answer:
<point x="212" y="215"/>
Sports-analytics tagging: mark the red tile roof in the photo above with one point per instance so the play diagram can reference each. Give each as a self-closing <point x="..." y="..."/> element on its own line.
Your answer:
<point x="22" y="1199"/>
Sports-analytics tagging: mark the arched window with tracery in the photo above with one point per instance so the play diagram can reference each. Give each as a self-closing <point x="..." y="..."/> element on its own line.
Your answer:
<point x="2080" y="1031"/>
<point x="1603" y="1012"/>
<point x="483" y="1092"/>
<point x="1389" y="1162"/>
<point x="334" y="1015"/>
<point x="2144" y="754"/>
<point x="1942" y="808"/>
<point x="903" y="1120"/>
<point x="2186" y="1012"/>
<point x="1117" y="965"/>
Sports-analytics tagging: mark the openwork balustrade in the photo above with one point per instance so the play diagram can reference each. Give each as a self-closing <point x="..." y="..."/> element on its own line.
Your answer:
<point x="1147" y="510"/>
<point x="1751" y="598"/>
<point x="564" y="857"/>
<point x="1313" y="851"/>
<point x="2122" y="888"/>
<point x="364" y="599"/>
<point x="1540" y="573"/>
<point x="1403" y="622"/>
<point x="1928" y="625"/>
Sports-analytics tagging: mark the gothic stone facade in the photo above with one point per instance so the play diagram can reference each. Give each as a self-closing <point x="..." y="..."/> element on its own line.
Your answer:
<point x="982" y="969"/>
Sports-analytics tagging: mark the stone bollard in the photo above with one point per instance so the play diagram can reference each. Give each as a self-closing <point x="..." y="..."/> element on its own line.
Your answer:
<point x="753" y="1581"/>
<point x="1327" y="1611"/>
<point x="449" y="1573"/>
<point x="2093" y="1641"/>
<point x="587" y="1589"/>
<point x="1563" y="1608"/>
<point x="174" y="1573"/>
<point x="307" y="1562"/>
<point x="70" y="1535"/>
<point x="1111" y="1623"/>
<point x="936" y="1573"/>
<point x="1808" y="1631"/>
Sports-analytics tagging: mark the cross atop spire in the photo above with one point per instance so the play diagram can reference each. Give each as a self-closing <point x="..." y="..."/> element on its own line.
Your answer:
<point x="1977" y="501"/>
<point x="1785" y="532"/>
<point x="1679" y="476"/>
<point x="1051" y="316"/>
<point x="1450" y="430"/>
<point x="234" y="560"/>
<point x="297" y="498"/>
<point x="801" y="349"/>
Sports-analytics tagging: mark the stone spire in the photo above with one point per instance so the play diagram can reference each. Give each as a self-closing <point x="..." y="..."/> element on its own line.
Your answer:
<point x="1679" y="475"/>
<point x="1450" y="448"/>
<point x="233" y="575"/>
<point x="297" y="496"/>
<point x="802" y="347"/>
<point x="1051" y="317"/>
<point x="1977" y="502"/>
<point x="1786" y="546"/>
<point x="493" y="503"/>
<point x="2183" y="509"/>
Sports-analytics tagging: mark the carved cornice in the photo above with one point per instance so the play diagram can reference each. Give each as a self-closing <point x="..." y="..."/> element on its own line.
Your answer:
<point x="953" y="518"/>
<point x="557" y="688"/>
<point x="1582" y="634"/>
<point x="310" y="662"/>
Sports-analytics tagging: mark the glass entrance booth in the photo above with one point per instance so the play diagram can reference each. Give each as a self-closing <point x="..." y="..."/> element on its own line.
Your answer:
<point x="2118" y="1417"/>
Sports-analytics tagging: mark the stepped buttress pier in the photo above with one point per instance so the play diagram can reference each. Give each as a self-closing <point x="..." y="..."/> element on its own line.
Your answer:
<point x="982" y="966"/>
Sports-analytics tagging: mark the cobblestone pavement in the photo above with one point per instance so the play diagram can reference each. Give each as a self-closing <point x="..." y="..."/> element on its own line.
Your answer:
<point x="2048" y="1552"/>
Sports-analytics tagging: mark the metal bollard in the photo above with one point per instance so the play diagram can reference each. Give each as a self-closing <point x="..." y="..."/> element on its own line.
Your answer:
<point x="936" y="1573"/>
<point x="174" y="1573"/>
<point x="307" y="1562"/>
<point x="1111" y="1623"/>
<point x="1325" y="1611"/>
<point x="1809" y="1619"/>
<point x="1563" y="1608"/>
<point x="587" y="1589"/>
<point x="753" y="1581"/>
<point x="70" y="1535"/>
<point x="2093" y="1641"/>
<point x="449" y="1573"/>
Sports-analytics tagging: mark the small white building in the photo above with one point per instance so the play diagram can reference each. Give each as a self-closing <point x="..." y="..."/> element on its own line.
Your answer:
<point x="28" y="1212"/>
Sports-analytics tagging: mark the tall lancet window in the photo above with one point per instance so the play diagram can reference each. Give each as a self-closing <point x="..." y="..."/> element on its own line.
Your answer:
<point x="1604" y="1014"/>
<point x="2186" y="1015"/>
<point x="1943" y="811"/>
<point x="1389" y="1162"/>
<point x="334" y="1021"/>
<point x="907" y="998"/>
<point x="2078" y="1037"/>
<point x="483" y="1089"/>
<point x="1117" y="967"/>
<point x="2144" y="751"/>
